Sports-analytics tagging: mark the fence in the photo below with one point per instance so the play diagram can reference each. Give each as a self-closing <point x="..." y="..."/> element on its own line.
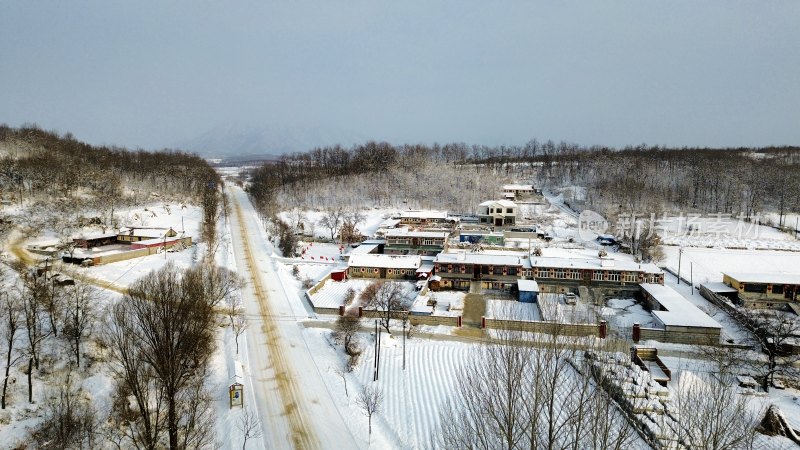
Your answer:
<point x="562" y="329"/>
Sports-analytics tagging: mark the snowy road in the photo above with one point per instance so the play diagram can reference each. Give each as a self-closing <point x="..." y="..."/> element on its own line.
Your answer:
<point x="295" y="407"/>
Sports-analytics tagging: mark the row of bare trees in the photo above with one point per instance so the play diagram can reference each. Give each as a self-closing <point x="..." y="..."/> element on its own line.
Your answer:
<point x="515" y="394"/>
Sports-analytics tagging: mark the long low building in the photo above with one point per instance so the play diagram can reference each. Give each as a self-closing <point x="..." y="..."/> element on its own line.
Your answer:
<point x="404" y="242"/>
<point x="383" y="266"/>
<point x="602" y="272"/>
<point x="498" y="271"/>
<point x="764" y="289"/>
<point x="673" y="312"/>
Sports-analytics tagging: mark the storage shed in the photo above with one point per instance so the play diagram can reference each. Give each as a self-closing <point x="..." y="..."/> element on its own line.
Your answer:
<point x="528" y="291"/>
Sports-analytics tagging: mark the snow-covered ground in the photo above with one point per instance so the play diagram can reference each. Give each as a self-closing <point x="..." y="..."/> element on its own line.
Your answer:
<point x="512" y="310"/>
<point x="708" y="264"/>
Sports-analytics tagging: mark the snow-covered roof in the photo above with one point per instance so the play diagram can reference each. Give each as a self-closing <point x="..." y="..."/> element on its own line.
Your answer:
<point x="426" y="267"/>
<point x="679" y="311"/>
<point x="389" y="223"/>
<point x="385" y="261"/>
<point x="766" y="278"/>
<point x="528" y="286"/>
<point x="402" y="232"/>
<point x="517" y="187"/>
<point x="144" y="232"/>
<point x="719" y="287"/>
<point x="90" y="237"/>
<point x="503" y="203"/>
<point x="423" y="214"/>
<point x="593" y="264"/>
<point x="363" y="249"/>
<point x="481" y="258"/>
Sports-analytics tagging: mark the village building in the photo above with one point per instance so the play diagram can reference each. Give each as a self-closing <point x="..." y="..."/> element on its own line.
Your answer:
<point x="764" y="290"/>
<point x="498" y="213"/>
<point x="677" y="315"/>
<point x="426" y="243"/>
<point x="555" y="275"/>
<point x="383" y="266"/>
<point x="426" y="218"/>
<point x="95" y="240"/>
<point x="515" y="191"/>
<point x="567" y="274"/>
<point x="458" y="270"/>
<point x="136" y="234"/>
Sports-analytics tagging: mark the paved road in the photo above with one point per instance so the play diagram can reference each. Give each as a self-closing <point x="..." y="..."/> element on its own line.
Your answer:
<point x="295" y="407"/>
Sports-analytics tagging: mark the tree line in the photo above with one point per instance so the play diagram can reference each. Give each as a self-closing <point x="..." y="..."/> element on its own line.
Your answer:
<point x="643" y="178"/>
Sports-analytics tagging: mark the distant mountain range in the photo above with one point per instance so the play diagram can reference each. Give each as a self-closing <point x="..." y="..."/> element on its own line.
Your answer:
<point x="237" y="142"/>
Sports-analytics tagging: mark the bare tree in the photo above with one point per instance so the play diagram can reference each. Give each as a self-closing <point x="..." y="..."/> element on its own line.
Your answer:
<point x="349" y="232"/>
<point x="773" y="331"/>
<point x="33" y="302"/>
<point x="239" y="327"/>
<point x="345" y="332"/>
<point x="12" y="320"/>
<point x="342" y="370"/>
<point x="80" y="316"/>
<point x="389" y="297"/>
<point x="370" y="400"/>
<point x="161" y="336"/>
<point x="711" y="414"/>
<point x="332" y="220"/>
<point x="69" y="419"/>
<point x="249" y="425"/>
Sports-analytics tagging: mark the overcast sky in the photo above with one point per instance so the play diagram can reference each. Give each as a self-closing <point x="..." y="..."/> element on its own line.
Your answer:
<point x="150" y="74"/>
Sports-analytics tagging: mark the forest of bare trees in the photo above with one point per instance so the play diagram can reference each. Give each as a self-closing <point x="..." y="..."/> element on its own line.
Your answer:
<point x="643" y="179"/>
<point x="64" y="178"/>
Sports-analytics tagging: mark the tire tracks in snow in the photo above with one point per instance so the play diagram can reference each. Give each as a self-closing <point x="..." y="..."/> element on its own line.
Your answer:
<point x="302" y="436"/>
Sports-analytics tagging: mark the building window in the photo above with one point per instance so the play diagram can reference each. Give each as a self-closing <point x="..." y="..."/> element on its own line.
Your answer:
<point x="498" y="270"/>
<point x="756" y="288"/>
<point x="629" y="277"/>
<point x="512" y="270"/>
<point x="509" y="211"/>
<point x="613" y="276"/>
<point x="597" y="275"/>
<point x="575" y="274"/>
<point x="560" y="273"/>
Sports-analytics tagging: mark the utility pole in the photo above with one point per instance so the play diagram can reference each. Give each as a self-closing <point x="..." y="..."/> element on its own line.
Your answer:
<point x="680" y="253"/>
<point x="378" y="363"/>
<point x="375" y="356"/>
<point x="691" y="275"/>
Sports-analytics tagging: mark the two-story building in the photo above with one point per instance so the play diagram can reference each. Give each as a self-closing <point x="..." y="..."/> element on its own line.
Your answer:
<point x="498" y="213"/>
<point x="567" y="274"/>
<point x="517" y="190"/>
<point x="383" y="266"/>
<point x="458" y="270"/>
<point x="404" y="242"/>
<point x="500" y="271"/>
